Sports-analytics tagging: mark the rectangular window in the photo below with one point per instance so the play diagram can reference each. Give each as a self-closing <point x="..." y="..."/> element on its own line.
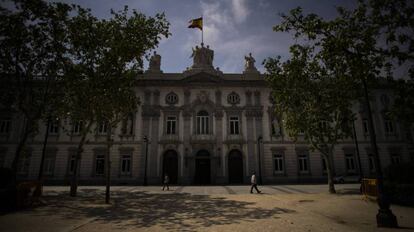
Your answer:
<point x="234" y="125"/>
<point x="128" y="125"/>
<point x="395" y="159"/>
<point x="126" y="164"/>
<point x="171" y="125"/>
<point x="77" y="127"/>
<point x="371" y="163"/>
<point x="54" y="127"/>
<point x="389" y="127"/>
<point x="100" y="165"/>
<point x="365" y="126"/>
<point x="350" y="163"/>
<point x="103" y="128"/>
<point x="49" y="165"/>
<point x="202" y="125"/>
<point x="303" y="163"/>
<point x="278" y="164"/>
<point x="5" y="126"/>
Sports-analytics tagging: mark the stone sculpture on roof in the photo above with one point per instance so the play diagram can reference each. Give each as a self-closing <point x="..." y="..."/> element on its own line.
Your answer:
<point x="155" y="63"/>
<point x="202" y="57"/>
<point x="249" y="63"/>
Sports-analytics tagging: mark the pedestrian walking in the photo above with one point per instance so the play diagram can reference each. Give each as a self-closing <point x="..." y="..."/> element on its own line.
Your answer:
<point x="254" y="183"/>
<point x="166" y="182"/>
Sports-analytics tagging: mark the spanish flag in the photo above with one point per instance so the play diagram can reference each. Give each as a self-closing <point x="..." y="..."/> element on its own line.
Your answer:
<point x="196" y="23"/>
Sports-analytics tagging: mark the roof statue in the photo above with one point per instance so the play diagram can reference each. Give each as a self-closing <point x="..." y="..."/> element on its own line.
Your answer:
<point x="202" y="60"/>
<point x="155" y="63"/>
<point x="202" y="57"/>
<point x="249" y="66"/>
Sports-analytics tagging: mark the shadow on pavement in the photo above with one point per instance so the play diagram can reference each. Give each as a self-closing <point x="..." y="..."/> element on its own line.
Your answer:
<point x="175" y="211"/>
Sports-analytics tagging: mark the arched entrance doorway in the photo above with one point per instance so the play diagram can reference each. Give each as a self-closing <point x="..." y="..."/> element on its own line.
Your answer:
<point x="202" y="168"/>
<point x="235" y="167"/>
<point x="170" y="165"/>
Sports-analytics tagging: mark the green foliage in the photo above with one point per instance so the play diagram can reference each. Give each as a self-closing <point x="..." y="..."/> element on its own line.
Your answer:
<point x="312" y="98"/>
<point x="106" y="56"/>
<point x="321" y="79"/>
<point x="403" y="107"/>
<point x="33" y="48"/>
<point x="316" y="87"/>
<point x="32" y="51"/>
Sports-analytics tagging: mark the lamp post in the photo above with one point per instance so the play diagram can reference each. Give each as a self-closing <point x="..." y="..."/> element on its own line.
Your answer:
<point x="357" y="150"/>
<point x="146" y="157"/>
<point x="259" y="141"/>
<point x="42" y="160"/>
<point x="385" y="217"/>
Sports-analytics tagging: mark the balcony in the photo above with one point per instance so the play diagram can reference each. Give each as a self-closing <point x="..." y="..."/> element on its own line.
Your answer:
<point x="170" y="138"/>
<point x="234" y="139"/>
<point x="209" y="138"/>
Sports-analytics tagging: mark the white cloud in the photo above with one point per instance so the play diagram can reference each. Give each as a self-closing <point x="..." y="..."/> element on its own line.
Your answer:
<point x="240" y="10"/>
<point x="223" y="32"/>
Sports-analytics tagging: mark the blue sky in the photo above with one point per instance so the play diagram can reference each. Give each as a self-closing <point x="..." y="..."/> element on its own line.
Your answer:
<point x="232" y="28"/>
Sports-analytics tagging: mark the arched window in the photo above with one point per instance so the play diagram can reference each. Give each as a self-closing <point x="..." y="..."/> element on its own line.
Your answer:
<point x="202" y="123"/>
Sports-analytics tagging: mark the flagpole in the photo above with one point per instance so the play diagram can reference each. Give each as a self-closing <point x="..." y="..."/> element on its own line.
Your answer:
<point x="202" y="30"/>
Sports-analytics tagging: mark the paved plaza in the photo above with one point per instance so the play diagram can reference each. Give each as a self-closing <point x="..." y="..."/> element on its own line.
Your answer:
<point x="204" y="208"/>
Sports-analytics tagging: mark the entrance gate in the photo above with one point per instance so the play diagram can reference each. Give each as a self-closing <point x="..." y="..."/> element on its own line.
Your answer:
<point x="235" y="167"/>
<point x="202" y="168"/>
<point x="170" y="166"/>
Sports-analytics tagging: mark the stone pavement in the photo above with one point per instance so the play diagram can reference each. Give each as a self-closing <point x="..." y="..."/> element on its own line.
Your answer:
<point x="210" y="190"/>
<point x="204" y="208"/>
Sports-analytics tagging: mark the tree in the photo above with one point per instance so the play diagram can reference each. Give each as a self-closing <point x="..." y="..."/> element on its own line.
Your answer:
<point x="106" y="57"/>
<point x="314" y="99"/>
<point x="32" y="52"/>
<point x="369" y="41"/>
<point x="403" y="107"/>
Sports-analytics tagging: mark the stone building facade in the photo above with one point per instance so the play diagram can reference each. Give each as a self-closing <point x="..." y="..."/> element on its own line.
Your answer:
<point x="203" y="127"/>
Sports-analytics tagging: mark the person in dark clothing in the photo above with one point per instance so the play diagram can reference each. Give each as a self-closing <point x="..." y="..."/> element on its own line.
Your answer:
<point x="166" y="182"/>
<point x="254" y="183"/>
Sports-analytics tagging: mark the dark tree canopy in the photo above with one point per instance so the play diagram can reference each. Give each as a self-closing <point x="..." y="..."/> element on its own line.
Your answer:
<point x="316" y="87"/>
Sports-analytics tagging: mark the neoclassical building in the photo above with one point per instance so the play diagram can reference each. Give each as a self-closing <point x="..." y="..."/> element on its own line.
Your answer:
<point x="203" y="126"/>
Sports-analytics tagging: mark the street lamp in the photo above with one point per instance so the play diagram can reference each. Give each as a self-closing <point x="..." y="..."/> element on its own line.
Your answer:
<point x="385" y="217"/>
<point x="42" y="160"/>
<point x="357" y="150"/>
<point x="259" y="141"/>
<point x="145" y="162"/>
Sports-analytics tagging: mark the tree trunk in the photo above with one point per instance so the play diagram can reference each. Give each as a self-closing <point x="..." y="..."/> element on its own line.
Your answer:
<point x="79" y="151"/>
<point x="26" y="131"/>
<point x="330" y="172"/>
<point x="42" y="160"/>
<point x="108" y="165"/>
